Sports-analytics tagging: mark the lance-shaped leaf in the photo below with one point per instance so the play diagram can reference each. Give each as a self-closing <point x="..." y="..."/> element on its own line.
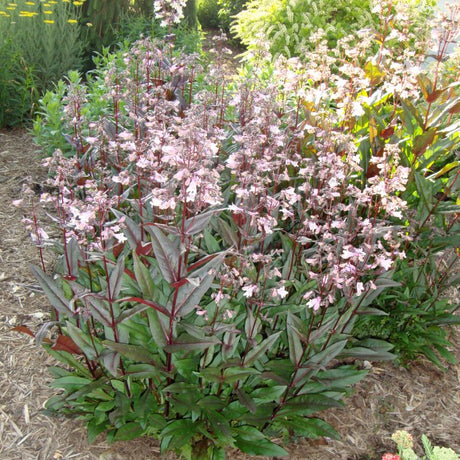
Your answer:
<point x="198" y="223"/>
<point x="199" y="281"/>
<point x="187" y="342"/>
<point x="246" y="400"/>
<point x="310" y="427"/>
<point x="111" y="360"/>
<point x="100" y="310"/>
<point x="130" y="312"/>
<point x="251" y="441"/>
<point x="116" y="278"/>
<point x="55" y="294"/>
<point x="260" y="349"/>
<point x="309" y="404"/>
<point x="133" y="352"/>
<point x="157" y="329"/>
<point x="143" y="277"/>
<point x="167" y="253"/>
<point x="84" y="341"/>
<point x="295" y="346"/>
<point x="156" y="306"/>
<point x="73" y="255"/>
<point x="64" y="343"/>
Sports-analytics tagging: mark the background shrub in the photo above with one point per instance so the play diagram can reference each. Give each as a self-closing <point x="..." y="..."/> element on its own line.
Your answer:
<point x="287" y="25"/>
<point x="33" y="34"/>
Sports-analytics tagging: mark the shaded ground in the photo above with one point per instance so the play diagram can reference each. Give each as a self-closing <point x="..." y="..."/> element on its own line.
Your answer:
<point x="421" y="400"/>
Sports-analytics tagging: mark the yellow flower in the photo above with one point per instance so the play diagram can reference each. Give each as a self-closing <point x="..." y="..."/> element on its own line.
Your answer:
<point x="72" y="21"/>
<point x="89" y="24"/>
<point x="48" y="21"/>
<point x="78" y="3"/>
<point x="30" y="3"/>
<point x="48" y="12"/>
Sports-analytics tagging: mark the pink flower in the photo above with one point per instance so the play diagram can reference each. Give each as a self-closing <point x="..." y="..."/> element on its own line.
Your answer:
<point x="391" y="457"/>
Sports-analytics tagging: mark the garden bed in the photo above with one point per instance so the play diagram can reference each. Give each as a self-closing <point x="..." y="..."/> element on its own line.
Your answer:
<point x="422" y="399"/>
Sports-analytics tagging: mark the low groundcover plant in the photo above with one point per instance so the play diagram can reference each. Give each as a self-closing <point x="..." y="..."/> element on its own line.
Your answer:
<point x="218" y="242"/>
<point x="405" y="446"/>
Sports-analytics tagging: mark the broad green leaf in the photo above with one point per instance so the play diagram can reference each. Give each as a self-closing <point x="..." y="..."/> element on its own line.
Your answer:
<point x="268" y="394"/>
<point x="70" y="382"/>
<point x="367" y="353"/>
<point x="130" y="430"/>
<point x="310" y="427"/>
<point x="341" y="377"/>
<point x="211" y="402"/>
<point x="295" y="346"/>
<point x="227" y="233"/>
<point x="100" y="310"/>
<point x="177" y="433"/>
<point x="142" y="370"/>
<point x="53" y="292"/>
<point x="308" y="404"/>
<point x="167" y="253"/>
<point x="134" y="352"/>
<point x="199" y="222"/>
<point x="67" y="359"/>
<point x="246" y="400"/>
<point x="260" y="349"/>
<point x="211" y="243"/>
<point x="190" y="294"/>
<point x="156" y="328"/>
<point x="251" y="441"/>
<point x="143" y="277"/>
<point x="423" y="141"/>
<point x="130" y="312"/>
<point x="187" y="342"/>
<point x="116" y="278"/>
<point x="95" y="429"/>
<point x="83" y="340"/>
<point x="111" y="360"/>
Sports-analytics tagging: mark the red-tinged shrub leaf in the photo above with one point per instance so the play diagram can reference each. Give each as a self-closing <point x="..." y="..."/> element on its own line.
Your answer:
<point x="143" y="249"/>
<point x="65" y="343"/>
<point x="24" y="330"/>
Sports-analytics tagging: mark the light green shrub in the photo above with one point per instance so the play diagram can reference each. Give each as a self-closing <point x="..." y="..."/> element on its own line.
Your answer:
<point x="287" y="25"/>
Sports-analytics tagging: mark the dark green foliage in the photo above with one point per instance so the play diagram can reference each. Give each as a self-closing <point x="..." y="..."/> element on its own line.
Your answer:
<point x="18" y="93"/>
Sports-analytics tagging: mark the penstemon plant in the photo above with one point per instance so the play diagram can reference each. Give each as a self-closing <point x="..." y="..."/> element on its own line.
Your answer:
<point x="218" y="243"/>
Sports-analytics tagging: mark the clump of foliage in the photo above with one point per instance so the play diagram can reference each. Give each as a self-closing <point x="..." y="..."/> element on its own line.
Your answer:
<point x="34" y="52"/>
<point x="287" y="26"/>
<point x="405" y="444"/>
<point x="222" y="241"/>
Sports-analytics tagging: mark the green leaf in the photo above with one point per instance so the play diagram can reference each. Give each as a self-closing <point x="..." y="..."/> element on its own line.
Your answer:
<point x="260" y="349"/>
<point x="129" y="431"/>
<point x="130" y="312"/>
<point x="191" y="293"/>
<point x="312" y="428"/>
<point x="133" y="352"/>
<point x="143" y="277"/>
<point x="111" y="360"/>
<point x="308" y="404"/>
<point x="295" y="346"/>
<point x="367" y="353"/>
<point x="177" y="433"/>
<point x="116" y="278"/>
<point x="246" y="400"/>
<point x="53" y="292"/>
<point x="94" y="429"/>
<point x="70" y="382"/>
<point x="90" y="346"/>
<point x="199" y="222"/>
<point x="167" y="253"/>
<point x="251" y="441"/>
<point x="142" y="370"/>
<point x="156" y="328"/>
<point x="268" y="394"/>
<point x="187" y="342"/>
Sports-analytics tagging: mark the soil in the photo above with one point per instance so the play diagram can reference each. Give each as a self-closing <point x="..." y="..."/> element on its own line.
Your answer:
<point x="421" y="399"/>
